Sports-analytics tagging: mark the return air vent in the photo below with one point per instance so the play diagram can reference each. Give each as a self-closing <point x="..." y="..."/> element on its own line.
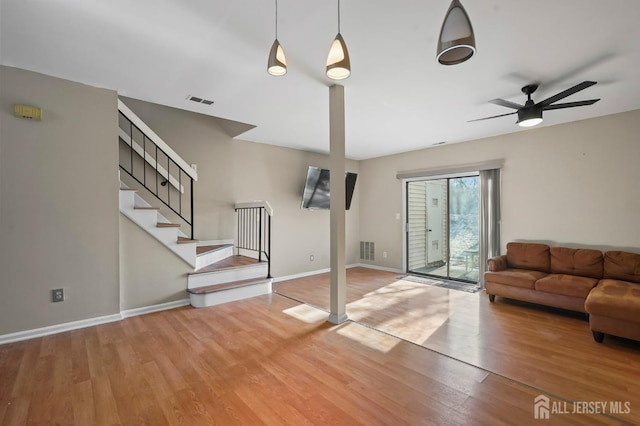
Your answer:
<point x="367" y="250"/>
<point x="199" y="100"/>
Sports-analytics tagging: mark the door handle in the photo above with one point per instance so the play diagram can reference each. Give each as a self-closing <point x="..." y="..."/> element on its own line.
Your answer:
<point x="430" y="230"/>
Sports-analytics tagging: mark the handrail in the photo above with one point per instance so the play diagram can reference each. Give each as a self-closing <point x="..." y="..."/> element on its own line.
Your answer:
<point x="258" y="203"/>
<point x="254" y="229"/>
<point x="137" y="121"/>
<point x="153" y="164"/>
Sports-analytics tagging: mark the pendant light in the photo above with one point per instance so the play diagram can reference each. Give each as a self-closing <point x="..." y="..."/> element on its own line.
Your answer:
<point x="277" y="64"/>
<point x="338" y="62"/>
<point x="457" y="42"/>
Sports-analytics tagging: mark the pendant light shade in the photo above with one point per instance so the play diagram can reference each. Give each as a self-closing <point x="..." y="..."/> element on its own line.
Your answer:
<point x="338" y="62"/>
<point x="277" y="64"/>
<point x="457" y="42"/>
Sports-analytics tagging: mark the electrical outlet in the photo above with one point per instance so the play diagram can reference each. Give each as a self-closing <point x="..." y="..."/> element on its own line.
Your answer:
<point x="57" y="295"/>
<point x="384" y="254"/>
<point x="311" y="258"/>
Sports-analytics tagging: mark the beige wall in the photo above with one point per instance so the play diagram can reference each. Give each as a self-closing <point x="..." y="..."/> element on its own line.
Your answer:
<point x="231" y="171"/>
<point x="58" y="202"/>
<point x="572" y="184"/>
<point x="150" y="274"/>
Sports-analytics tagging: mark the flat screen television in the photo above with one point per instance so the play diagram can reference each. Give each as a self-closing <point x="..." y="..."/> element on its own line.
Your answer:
<point x="316" y="195"/>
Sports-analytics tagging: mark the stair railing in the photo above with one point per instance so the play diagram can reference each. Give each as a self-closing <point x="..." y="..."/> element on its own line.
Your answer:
<point x="152" y="163"/>
<point x="254" y="230"/>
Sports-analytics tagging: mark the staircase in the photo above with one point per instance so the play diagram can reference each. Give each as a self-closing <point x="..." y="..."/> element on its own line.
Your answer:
<point x="221" y="272"/>
<point x="150" y="219"/>
<point x="219" y="275"/>
<point x="229" y="279"/>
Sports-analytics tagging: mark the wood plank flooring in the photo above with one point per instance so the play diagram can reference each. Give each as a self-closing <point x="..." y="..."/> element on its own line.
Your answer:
<point x="549" y="349"/>
<point x="272" y="360"/>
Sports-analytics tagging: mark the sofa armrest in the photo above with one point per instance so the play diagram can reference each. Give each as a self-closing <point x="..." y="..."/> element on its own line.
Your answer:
<point x="498" y="263"/>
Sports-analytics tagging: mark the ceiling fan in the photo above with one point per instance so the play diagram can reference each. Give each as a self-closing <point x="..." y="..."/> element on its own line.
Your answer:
<point x="530" y="113"/>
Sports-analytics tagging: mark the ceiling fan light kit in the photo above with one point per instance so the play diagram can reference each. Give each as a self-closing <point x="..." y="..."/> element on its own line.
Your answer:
<point x="529" y="117"/>
<point x="457" y="42"/>
<point x="277" y="64"/>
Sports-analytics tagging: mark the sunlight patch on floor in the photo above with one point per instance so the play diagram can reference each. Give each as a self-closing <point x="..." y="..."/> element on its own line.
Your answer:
<point x="400" y="309"/>
<point x="368" y="337"/>
<point x="306" y="313"/>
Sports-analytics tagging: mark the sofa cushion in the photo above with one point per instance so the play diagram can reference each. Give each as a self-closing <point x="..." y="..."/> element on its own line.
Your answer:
<point x="532" y="256"/>
<point x="567" y="285"/>
<point x="582" y="262"/>
<point x="615" y="299"/>
<point x="622" y="265"/>
<point x="514" y="277"/>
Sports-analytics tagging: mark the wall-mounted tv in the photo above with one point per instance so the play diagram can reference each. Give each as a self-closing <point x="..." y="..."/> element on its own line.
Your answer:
<point x="316" y="195"/>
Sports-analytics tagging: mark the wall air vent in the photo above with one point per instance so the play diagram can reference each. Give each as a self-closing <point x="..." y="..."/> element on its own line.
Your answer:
<point x="200" y="100"/>
<point x="367" y="250"/>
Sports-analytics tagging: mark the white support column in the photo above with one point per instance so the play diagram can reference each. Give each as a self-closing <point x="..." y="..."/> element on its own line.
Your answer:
<point x="337" y="187"/>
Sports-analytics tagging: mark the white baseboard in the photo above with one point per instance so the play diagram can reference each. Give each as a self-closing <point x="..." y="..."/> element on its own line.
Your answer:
<point x="154" y="308"/>
<point x="380" y="268"/>
<point x="58" y="328"/>
<point x="89" y="322"/>
<point x="309" y="273"/>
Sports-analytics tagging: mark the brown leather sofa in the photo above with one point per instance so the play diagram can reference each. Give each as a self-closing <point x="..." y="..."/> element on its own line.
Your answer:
<point x="555" y="276"/>
<point x="614" y="305"/>
<point x="607" y="287"/>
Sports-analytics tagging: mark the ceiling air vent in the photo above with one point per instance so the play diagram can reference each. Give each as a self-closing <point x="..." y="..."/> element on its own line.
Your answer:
<point x="200" y="100"/>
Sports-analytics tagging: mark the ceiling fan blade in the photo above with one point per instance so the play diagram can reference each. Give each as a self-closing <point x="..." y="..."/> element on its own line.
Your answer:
<point x="570" y="104"/>
<point x="495" y="116"/>
<point x="507" y="104"/>
<point x="568" y="92"/>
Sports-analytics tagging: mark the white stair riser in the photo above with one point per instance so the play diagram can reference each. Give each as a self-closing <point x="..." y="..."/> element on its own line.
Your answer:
<point x="213" y="257"/>
<point x="230" y="295"/>
<point x="227" y="275"/>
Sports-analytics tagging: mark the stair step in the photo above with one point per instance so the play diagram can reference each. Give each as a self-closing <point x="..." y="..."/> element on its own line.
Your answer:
<point x="168" y="225"/>
<point x="232" y="262"/>
<point x="145" y="208"/>
<point x="183" y="240"/>
<point x="201" y="250"/>
<point x="129" y="189"/>
<point x="226" y="286"/>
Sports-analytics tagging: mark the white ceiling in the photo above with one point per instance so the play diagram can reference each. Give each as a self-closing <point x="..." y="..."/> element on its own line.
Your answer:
<point x="398" y="97"/>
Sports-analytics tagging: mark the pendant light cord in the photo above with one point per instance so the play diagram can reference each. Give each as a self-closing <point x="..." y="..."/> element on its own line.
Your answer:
<point x="276" y="19"/>
<point x="338" y="16"/>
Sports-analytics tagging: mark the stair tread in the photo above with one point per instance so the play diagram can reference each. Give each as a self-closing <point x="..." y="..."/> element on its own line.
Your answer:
<point x="129" y="189"/>
<point x="183" y="240"/>
<point x="200" y="250"/>
<point x="168" y="225"/>
<point x="232" y="262"/>
<point x="145" y="208"/>
<point x="227" y="285"/>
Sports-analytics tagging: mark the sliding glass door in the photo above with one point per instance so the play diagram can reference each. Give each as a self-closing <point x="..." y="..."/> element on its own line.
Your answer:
<point x="443" y="220"/>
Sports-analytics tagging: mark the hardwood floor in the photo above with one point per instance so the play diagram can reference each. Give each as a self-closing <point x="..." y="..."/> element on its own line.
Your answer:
<point x="549" y="349"/>
<point x="273" y="360"/>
